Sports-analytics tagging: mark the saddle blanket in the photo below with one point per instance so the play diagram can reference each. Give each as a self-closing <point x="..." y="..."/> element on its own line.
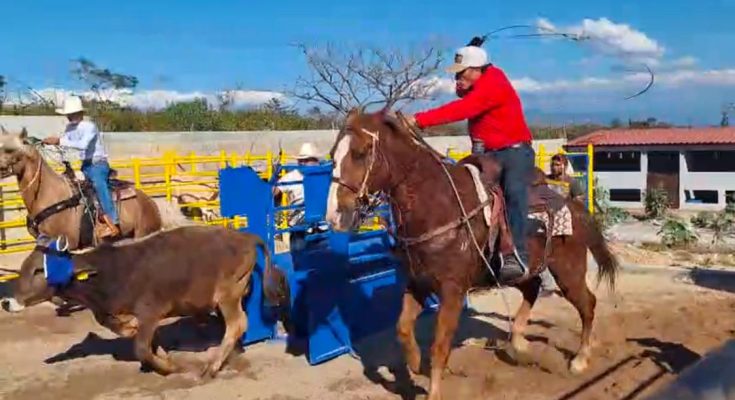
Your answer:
<point x="57" y="265"/>
<point x="562" y="221"/>
<point x="481" y="193"/>
<point x="562" y="217"/>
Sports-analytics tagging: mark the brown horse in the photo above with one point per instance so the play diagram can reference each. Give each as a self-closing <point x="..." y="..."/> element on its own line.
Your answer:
<point x="41" y="188"/>
<point x="372" y="153"/>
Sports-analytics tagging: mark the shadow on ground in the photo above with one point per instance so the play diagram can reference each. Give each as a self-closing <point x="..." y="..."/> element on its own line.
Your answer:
<point x="182" y="335"/>
<point x="713" y="279"/>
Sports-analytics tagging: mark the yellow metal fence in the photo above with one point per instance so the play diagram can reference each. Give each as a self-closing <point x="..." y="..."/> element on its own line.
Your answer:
<point x="172" y="176"/>
<point x="167" y="177"/>
<point x="543" y="159"/>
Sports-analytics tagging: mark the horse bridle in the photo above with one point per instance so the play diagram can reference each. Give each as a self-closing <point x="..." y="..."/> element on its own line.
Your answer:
<point x="362" y="191"/>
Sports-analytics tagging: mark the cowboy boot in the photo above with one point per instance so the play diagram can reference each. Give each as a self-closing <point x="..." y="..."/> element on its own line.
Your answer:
<point x="512" y="267"/>
<point x="107" y="229"/>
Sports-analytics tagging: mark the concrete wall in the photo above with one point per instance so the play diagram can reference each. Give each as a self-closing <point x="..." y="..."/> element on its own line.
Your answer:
<point x="129" y="144"/>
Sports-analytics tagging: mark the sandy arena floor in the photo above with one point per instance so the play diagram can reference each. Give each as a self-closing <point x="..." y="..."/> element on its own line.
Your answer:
<point x="650" y="329"/>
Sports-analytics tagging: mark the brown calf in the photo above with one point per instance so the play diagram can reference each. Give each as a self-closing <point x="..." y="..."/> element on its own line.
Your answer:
<point x="188" y="271"/>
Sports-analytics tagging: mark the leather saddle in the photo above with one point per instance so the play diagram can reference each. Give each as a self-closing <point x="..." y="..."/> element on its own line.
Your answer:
<point x="540" y="197"/>
<point x="119" y="189"/>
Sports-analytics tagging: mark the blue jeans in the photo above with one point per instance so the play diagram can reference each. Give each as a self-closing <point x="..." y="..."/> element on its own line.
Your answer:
<point x="518" y="164"/>
<point x="98" y="173"/>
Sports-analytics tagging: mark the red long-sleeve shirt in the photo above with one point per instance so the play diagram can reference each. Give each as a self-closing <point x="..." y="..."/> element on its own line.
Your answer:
<point x="493" y="111"/>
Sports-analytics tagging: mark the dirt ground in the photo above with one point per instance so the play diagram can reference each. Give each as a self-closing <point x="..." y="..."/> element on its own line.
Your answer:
<point x="654" y="325"/>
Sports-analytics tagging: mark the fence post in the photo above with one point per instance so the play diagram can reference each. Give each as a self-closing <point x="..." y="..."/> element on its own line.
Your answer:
<point x="233" y="159"/>
<point x="168" y="161"/>
<point x="541" y="156"/>
<point x="269" y="164"/>
<point x="591" y="178"/>
<point x="222" y="159"/>
<point x="136" y="172"/>
<point x="192" y="160"/>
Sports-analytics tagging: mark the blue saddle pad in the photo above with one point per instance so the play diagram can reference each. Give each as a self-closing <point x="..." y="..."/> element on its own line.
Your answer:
<point x="57" y="265"/>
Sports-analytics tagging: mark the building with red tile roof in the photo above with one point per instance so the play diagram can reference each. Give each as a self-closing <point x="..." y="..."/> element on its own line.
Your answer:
<point x="694" y="166"/>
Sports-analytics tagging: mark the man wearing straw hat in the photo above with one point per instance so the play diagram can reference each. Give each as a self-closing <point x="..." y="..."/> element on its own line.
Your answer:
<point x="308" y="155"/>
<point x="83" y="135"/>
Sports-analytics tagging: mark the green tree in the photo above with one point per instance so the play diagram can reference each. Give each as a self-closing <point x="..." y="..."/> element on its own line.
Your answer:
<point x="277" y="106"/>
<point x="3" y="93"/>
<point x="100" y="80"/>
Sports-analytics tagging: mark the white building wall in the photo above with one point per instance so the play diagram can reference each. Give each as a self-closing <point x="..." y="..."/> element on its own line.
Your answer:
<point x="688" y="181"/>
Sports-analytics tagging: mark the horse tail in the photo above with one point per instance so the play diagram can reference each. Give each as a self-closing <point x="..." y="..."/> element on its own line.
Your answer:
<point x="608" y="265"/>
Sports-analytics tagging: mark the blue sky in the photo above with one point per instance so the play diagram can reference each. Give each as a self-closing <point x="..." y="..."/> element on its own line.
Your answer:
<point x="183" y="47"/>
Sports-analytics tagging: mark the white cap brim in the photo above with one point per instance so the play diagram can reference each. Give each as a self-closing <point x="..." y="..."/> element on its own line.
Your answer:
<point x="456" y="68"/>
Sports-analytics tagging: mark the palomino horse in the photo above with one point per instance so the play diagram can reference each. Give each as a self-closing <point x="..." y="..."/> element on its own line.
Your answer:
<point x="43" y="189"/>
<point x="375" y="154"/>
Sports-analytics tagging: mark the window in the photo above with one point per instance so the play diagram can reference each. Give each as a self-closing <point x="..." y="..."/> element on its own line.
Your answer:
<point x="701" y="196"/>
<point x="633" y="195"/>
<point x="710" y="160"/>
<point x="730" y="197"/>
<point x="617" y="161"/>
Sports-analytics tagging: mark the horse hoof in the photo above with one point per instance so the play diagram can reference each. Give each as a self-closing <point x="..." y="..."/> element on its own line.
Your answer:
<point x="578" y="365"/>
<point x="415" y="366"/>
<point x="434" y="396"/>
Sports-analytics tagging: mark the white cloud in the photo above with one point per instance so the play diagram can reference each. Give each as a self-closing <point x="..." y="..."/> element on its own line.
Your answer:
<point x="718" y="78"/>
<point x="439" y="85"/>
<point x="684" y="63"/>
<point x="158" y="99"/>
<point x="608" y="37"/>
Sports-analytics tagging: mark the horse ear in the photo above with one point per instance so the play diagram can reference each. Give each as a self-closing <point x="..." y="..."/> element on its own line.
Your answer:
<point x="23" y="133"/>
<point x="361" y="138"/>
<point x="2" y="128"/>
<point x="352" y="116"/>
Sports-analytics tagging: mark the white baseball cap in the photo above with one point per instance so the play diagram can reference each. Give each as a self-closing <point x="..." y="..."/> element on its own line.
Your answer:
<point x="72" y="104"/>
<point x="308" y="150"/>
<point x="468" y="57"/>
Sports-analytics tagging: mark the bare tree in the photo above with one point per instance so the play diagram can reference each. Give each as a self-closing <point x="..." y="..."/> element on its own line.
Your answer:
<point x="343" y="80"/>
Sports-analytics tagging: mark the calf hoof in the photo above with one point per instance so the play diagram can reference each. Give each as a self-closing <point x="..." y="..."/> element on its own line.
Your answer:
<point x="578" y="365"/>
<point x="211" y="369"/>
<point x="414" y="363"/>
<point x="520" y="344"/>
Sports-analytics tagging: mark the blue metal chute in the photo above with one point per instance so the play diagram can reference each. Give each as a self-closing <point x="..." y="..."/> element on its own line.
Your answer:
<point x="344" y="286"/>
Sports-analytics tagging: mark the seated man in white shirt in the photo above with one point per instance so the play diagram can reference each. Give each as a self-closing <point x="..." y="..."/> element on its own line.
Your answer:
<point x="295" y="193"/>
<point x="82" y="135"/>
<point x="308" y="155"/>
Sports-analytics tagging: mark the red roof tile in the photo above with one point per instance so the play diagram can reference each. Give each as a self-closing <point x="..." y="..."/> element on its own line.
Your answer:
<point x="654" y="137"/>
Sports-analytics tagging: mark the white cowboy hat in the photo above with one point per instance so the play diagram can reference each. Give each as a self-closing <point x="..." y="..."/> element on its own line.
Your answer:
<point x="72" y="104"/>
<point x="468" y="57"/>
<point x="308" y="150"/>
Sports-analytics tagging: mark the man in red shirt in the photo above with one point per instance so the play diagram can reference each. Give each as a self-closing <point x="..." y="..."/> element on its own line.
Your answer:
<point x="497" y="128"/>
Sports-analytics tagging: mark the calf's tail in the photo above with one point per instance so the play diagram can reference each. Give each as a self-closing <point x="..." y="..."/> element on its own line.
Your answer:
<point x="275" y="284"/>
